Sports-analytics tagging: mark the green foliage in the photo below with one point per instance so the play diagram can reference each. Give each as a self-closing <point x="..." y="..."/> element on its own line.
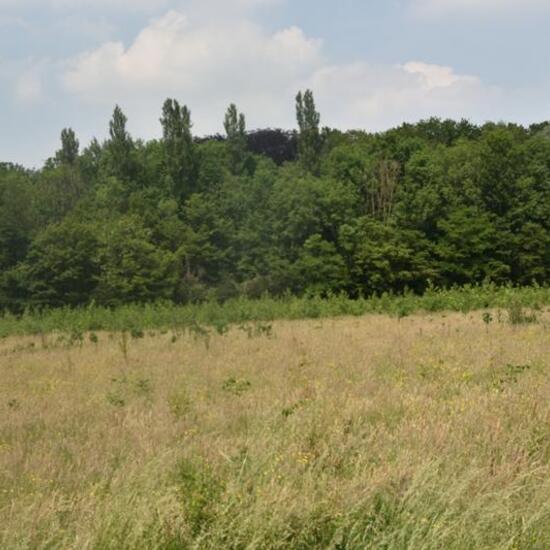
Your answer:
<point x="254" y="317"/>
<point x="309" y="140"/>
<point x="385" y="258"/>
<point x="61" y="267"/>
<point x="487" y="318"/>
<point x="68" y="154"/>
<point x="508" y="375"/>
<point x="472" y="249"/>
<point x="179" y="402"/>
<point x="236" y="386"/>
<point x="132" y="267"/>
<point x="321" y="266"/>
<point x="200" y="492"/>
<point x="191" y="220"/>
<point x="120" y="148"/>
<point x="17" y="216"/>
<point x="517" y="314"/>
<point x="179" y="150"/>
<point x="235" y="128"/>
<point x="58" y="193"/>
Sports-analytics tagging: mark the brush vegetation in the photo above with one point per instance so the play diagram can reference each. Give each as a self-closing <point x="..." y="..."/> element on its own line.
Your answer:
<point x="430" y="430"/>
<point x="218" y="316"/>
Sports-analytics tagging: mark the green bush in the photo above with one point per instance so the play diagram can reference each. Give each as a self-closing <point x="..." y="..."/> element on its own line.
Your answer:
<point x="197" y="319"/>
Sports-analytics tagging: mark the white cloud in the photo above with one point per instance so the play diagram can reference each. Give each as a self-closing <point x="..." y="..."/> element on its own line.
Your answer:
<point x="360" y="95"/>
<point x="205" y="65"/>
<point x="208" y="53"/>
<point x="208" y="65"/>
<point x="171" y="53"/>
<point x="172" y="49"/>
<point x="28" y="88"/>
<point x="75" y="5"/>
<point x="436" y="76"/>
<point x="150" y="6"/>
<point x="438" y="8"/>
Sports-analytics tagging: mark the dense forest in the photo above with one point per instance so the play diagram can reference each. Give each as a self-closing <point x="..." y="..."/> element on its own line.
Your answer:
<point x="318" y="211"/>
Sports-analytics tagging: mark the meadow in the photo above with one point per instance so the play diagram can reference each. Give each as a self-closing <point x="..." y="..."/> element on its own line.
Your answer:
<point x="410" y="428"/>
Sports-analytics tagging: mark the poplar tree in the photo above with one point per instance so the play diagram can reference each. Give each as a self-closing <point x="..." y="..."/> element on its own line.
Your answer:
<point x="309" y="138"/>
<point x="120" y="145"/>
<point x="179" y="148"/>
<point x="68" y="153"/>
<point x="235" y="128"/>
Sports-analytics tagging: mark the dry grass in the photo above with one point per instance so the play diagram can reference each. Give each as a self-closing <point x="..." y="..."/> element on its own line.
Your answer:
<point x="428" y="432"/>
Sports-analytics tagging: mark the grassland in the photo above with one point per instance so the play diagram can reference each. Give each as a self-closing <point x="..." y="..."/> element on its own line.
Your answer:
<point x="378" y="431"/>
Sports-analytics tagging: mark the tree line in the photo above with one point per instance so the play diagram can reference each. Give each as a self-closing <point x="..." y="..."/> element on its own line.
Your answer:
<point x="315" y="210"/>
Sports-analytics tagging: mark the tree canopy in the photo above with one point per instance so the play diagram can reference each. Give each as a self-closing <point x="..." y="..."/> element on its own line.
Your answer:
<point x="315" y="210"/>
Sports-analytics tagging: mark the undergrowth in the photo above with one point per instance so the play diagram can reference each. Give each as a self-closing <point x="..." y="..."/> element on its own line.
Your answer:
<point x="254" y="316"/>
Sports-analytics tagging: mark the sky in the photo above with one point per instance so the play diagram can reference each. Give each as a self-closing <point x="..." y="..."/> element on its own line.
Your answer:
<point x="372" y="64"/>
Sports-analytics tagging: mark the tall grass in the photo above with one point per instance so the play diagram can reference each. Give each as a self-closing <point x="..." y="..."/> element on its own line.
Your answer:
<point x="221" y="315"/>
<point x="427" y="431"/>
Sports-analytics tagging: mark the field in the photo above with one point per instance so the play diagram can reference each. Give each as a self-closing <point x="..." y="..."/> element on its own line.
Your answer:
<point x="430" y="430"/>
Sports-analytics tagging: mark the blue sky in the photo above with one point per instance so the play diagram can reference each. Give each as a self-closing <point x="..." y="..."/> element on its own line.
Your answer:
<point x="371" y="63"/>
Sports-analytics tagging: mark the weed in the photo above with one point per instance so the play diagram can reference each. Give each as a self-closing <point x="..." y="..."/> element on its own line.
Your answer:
<point x="143" y="387"/>
<point x="24" y="348"/>
<point x="44" y="340"/>
<point x="200" y="332"/>
<point x="236" y="386"/>
<point x="290" y="410"/>
<point x="76" y="338"/>
<point x="514" y="371"/>
<point x="487" y="319"/>
<point x="247" y="329"/>
<point x="14" y="404"/>
<point x="264" y="329"/>
<point x="510" y="375"/>
<point x="179" y="402"/>
<point x="256" y="329"/>
<point x="124" y="344"/>
<point x="200" y="491"/>
<point x="221" y="326"/>
<point x="137" y="333"/>
<point x="116" y="399"/>
<point x="517" y="314"/>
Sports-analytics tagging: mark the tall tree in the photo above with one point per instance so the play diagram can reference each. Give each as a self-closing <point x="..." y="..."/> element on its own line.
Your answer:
<point x="180" y="162"/>
<point x="235" y="128"/>
<point x="309" y="140"/>
<point x="120" y="146"/>
<point x="68" y="153"/>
